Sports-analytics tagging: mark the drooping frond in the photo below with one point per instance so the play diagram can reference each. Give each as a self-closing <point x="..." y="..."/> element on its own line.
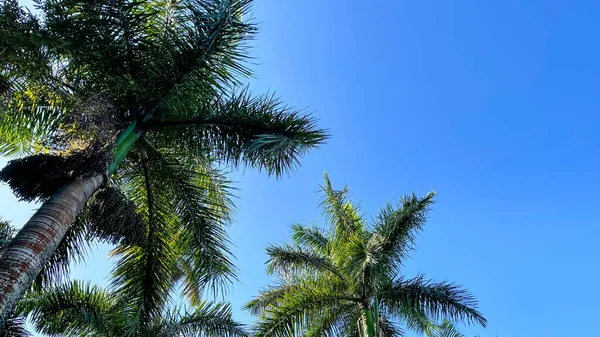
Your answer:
<point x="396" y="228"/>
<point x="199" y="197"/>
<point x="144" y="275"/>
<point x="70" y="309"/>
<point x="439" y="300"/>
<point x="206" y="319"/>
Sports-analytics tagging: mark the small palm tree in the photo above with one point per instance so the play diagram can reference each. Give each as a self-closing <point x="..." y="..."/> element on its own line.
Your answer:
<point x="79" y="309"/>
<point x="142" y="92"/>
<point x="345" y="281"/>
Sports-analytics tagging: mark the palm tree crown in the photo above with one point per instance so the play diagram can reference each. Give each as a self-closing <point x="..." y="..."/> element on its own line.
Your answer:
<point x="147" y="91"/>
<point x="346" y="281"/>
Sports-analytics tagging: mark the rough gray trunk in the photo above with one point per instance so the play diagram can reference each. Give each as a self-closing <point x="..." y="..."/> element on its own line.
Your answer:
<point x="24" y="258"/>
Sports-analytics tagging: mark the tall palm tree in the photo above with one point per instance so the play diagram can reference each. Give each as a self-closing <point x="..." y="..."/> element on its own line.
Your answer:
<point x="345" y="280"/>
<point x="143" y="92"/>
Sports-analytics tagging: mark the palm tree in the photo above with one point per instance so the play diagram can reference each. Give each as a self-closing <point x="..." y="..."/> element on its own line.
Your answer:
<point x="79" y="309"/>
<point x="345" y="280"/>
<point x="142" y="92"/>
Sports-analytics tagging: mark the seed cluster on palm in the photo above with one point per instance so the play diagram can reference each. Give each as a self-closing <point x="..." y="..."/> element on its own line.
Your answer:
<point x="345" y="279"/>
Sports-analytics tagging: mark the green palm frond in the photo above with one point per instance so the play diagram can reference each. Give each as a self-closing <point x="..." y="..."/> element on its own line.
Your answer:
<point x="267" y="297"/>
<point x="206" y="319"/>
<point x="158" y="50"/>
<point x="296" y="312"/>
<point x="144" y="276"/>
<point x="339" y="210"/>
<point x="446" y="329"/>
<point x="388" y="328"/>
<point x="438" y="300"/>
<point x="286" y="260"/>
<point x="71" y="309"/>
<point x="202" y="40"/>
<point x="201" y="200"/>
<point x="311" y="237"/>
<point x="242" y="129"/>
<point x="332" y="323"/>
<point x="26" y="124"/>
<point x="397" y="227"/>
<point x="78" y="309"/>
<point x="15" y="327"/>
<point x="113" y="218"/>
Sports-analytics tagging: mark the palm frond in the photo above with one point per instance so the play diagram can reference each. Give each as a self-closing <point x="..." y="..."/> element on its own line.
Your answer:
<point x="242" y="130"/>
<point x="206" y="319"/>
<point x="200" y="199"/>
<point x="286" y="260"/>
<point x="332" y="323"/>
<point x="439" y="300"/>
<point x="311" y="237"/>
<point x="387" y="328"/>
<point x="26" y="123"/>
<point x="112" y="218"/>
<point x="396" y="228"/>
<point x="15" y="327"/>
<point x="145" y="275"/>
<point x="446" y="329"/>
<point x="201" y="45"/>
<point x="157" y="50"/>
<point x="299" y="307"/>
<point x="267" y="297"/>
<point x="71" y="309"/>
<point x="339" y="210"/>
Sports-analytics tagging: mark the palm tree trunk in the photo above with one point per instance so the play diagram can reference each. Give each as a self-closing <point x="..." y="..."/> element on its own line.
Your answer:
<point x="25" y="256"/>
<point x="23" y="259"/>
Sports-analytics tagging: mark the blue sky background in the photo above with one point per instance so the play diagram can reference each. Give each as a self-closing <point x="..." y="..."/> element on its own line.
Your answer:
<point x="494" y="104"/>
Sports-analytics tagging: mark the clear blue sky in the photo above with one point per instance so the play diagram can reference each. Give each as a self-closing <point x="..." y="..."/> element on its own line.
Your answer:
<point x="494" y="104"/>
